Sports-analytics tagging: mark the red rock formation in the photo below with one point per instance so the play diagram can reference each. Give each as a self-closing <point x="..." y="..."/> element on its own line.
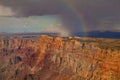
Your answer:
<point x="57" y="58"/>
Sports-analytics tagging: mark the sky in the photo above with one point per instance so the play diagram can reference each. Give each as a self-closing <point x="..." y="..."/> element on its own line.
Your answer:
<point x="66" y="16"/>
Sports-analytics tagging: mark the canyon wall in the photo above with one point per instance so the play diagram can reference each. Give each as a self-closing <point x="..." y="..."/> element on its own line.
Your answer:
<point x="58" y="58"/>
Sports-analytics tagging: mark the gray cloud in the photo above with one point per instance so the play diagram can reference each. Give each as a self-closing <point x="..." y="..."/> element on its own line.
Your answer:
<point x="94" y="11"/>
<point x="32" y="7"/>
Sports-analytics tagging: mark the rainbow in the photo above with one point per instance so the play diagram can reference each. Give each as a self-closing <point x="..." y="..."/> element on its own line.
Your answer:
<point x="71" y="7"/>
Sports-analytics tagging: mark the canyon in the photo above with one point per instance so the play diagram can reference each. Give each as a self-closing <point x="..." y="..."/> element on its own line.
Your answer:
<point x="59" y="58"/>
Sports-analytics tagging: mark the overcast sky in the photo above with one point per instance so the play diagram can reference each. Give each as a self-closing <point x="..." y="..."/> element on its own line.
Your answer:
<point x="57" y="15"/>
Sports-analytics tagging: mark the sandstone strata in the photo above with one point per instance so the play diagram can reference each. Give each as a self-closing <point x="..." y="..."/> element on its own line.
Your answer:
<point x="57" y="58"/>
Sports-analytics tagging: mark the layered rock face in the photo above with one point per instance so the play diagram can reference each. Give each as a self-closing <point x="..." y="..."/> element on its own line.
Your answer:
<point x="58" y="58"/>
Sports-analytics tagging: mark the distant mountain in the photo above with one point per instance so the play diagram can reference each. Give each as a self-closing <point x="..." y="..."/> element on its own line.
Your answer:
<point x="29" y="34"/>
<point x="99" y="34"/>
<point x="95" y="34"/>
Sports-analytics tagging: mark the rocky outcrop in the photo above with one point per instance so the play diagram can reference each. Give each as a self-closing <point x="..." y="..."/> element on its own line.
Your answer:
<point x="57" y="58"/>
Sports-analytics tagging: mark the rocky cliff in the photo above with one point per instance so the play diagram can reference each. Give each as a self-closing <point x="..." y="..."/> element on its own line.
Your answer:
<point x="58" y="58"/>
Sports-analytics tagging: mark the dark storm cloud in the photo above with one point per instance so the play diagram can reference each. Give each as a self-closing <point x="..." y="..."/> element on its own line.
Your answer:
<point x="94" y="11"/>
<point x="32" y="7"/>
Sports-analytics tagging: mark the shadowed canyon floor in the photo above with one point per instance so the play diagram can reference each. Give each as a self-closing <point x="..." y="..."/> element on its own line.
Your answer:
<point x="59" y="58"/>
